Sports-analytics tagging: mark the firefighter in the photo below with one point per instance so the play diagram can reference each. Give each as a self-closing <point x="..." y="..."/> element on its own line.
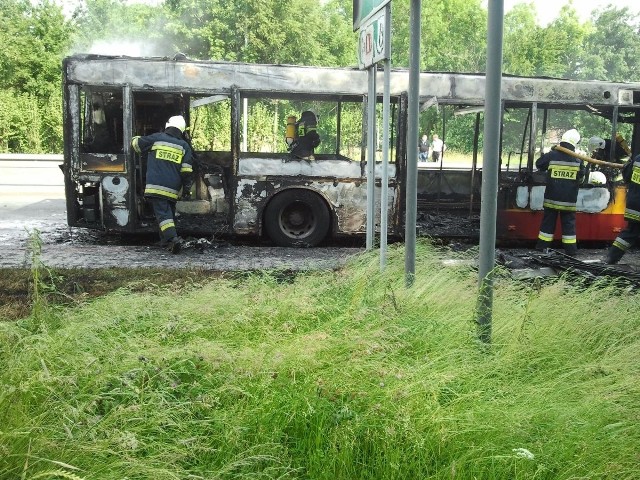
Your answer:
<point x="564" y="174"/>
<point x="601" y="148"/>
<point x="626" y="238"/>
<point x="306" y="137"/>
<point x="169" y="167"/>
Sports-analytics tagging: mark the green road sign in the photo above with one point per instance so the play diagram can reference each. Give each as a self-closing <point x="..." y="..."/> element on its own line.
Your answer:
<point x="363" y="9"/>
<point x="373" y="43"/>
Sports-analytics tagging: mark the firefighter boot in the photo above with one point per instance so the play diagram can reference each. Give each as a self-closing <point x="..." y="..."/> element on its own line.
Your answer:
<point x="174" y="245"/>
<point x="614" y="254"/>
<point x="543" y="246"/>
<point x="571" y="250"/>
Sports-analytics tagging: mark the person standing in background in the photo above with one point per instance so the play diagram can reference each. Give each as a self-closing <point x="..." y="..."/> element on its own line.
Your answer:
<point x="437" y="147"/>
<point x="423" y="149"/>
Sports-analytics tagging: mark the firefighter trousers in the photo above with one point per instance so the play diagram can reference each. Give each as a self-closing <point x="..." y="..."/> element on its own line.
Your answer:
<point x="623" y="242"/>
<point x="165" y="211"/>
<point x="548" y="228"/>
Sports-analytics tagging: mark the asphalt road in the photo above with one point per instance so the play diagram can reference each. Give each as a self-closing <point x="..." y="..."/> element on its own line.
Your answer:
<point x="36" y="221"/>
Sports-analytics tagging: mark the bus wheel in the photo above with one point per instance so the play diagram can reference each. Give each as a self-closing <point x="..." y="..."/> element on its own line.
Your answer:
<point x="297" y="218"/>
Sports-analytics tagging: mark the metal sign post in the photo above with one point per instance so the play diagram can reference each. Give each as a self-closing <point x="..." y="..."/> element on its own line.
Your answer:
<point x="371" y="156"/>
<point x="412" y="142"/>
<point x="374" y="23"/>
<point x="384" y="194"/>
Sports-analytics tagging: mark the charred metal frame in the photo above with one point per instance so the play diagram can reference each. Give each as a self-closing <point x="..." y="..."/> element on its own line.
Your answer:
<point x="115" y="198"/>
<point x="180" y="77"/>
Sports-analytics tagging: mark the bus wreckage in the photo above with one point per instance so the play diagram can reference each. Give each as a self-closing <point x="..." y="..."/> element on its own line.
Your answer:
<point x="250" y="182"/>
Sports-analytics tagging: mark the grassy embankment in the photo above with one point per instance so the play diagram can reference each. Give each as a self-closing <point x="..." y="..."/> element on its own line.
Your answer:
<point x="331" y="375"/>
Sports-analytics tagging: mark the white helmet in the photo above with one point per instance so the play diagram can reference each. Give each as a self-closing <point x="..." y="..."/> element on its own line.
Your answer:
<point x="597" y="178"/>
<point x="176" y="122"/>
<point x="571" y="136"/>
<point x="596" y="143"/>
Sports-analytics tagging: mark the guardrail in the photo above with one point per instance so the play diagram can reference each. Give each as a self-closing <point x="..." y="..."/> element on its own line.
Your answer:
<point x="25" y="172"/>
<point x="31" y="157"/>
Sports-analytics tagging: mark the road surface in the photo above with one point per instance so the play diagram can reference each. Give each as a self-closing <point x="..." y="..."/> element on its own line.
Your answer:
<point x="42" y="216"/>
<point x="29" y="212"/>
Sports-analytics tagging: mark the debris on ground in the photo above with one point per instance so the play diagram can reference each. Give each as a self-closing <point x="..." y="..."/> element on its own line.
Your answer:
<point x="458" y="224"/>
<point x="202" y="244"/>
<point x="530" y="264"/>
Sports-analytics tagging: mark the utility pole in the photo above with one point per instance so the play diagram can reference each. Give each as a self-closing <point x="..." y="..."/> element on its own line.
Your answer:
<point x="490" y="169"/>
<point x="412" y="141"/>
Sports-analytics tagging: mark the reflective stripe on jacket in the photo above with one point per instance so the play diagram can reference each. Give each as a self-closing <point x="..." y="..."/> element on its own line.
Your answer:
<point x="169" y="158"/>
<point x="564" y="174"/>
<point x="631" y="176"/>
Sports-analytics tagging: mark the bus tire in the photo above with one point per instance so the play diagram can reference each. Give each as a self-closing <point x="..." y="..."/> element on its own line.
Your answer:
<point x="297" y="218"/>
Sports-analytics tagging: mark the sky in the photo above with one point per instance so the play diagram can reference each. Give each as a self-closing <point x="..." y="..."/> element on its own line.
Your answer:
<point x="548" y="9"/>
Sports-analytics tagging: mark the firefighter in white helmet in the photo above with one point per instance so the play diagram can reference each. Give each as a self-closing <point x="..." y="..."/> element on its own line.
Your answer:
<point x="600" y="149"/>
<point x="564" y="174"/>
<point x="169" y="168"/>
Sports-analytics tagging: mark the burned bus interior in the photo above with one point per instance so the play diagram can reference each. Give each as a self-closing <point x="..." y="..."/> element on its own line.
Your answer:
<point x="535" y="113"/>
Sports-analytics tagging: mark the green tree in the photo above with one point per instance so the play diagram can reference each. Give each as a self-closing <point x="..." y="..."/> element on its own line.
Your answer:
<point x="263" y="31"/>
<point x="521" y="51"/>
<point x="36" y="36"/>
<point x="612" y="47"/>
<point x="453" y="35"/>
<point x="337" y="36"/>
<point x="198" y="28"/>
<point x="34" y="39"/>
<point x="562" y="45"/>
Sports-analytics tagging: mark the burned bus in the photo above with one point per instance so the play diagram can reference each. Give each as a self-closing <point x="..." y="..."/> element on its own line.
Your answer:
<point x="248" y="182"/>
<point x="535" y="113"/>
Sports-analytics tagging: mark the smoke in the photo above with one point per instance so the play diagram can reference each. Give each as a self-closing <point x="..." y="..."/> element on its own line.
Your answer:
<point x="131" y="48"/>
<point x="118" y="36"/>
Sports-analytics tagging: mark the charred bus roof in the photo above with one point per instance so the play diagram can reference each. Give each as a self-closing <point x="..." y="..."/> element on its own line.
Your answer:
<point x="217" y="77"/>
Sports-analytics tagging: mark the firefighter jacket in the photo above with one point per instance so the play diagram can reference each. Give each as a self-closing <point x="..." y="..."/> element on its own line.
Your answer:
<point x="564" y="174"/>
<point x="631" y="176"/>
<point x="307" y="138"/>
<point x="169" y="162"/>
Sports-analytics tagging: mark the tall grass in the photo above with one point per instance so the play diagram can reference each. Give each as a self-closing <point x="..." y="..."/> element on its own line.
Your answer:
<point x="334" y="375"/>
